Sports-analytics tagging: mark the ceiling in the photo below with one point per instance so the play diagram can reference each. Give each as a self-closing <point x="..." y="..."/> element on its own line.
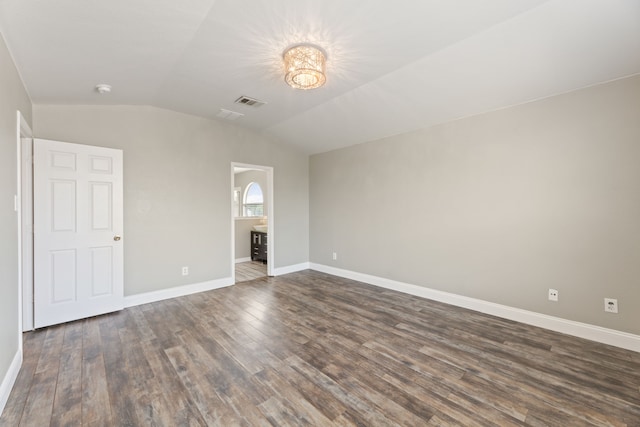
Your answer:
<point x="392" y="67"/>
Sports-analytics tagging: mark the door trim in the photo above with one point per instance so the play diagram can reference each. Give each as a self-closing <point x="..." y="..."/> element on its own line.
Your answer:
<point x="270" y="222"/>
<point x="24" y="192"/>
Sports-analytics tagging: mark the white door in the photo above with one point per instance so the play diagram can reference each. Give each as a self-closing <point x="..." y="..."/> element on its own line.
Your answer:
<point x="78" y="224"/>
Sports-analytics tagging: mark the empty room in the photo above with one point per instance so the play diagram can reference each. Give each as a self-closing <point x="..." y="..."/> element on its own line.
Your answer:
<point x="319" y="213"/>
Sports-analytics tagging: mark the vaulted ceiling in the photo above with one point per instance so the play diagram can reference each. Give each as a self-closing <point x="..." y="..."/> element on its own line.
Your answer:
<point x="392" y="67"/>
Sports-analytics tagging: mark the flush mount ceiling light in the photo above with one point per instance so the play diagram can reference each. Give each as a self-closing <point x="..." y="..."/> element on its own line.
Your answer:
<point x="103" y="88"/>
<point x="304" y="66"/>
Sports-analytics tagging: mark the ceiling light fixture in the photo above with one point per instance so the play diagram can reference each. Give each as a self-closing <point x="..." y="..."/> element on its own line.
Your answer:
<point x="304" y="66"/>
<point x="103" y="88"/>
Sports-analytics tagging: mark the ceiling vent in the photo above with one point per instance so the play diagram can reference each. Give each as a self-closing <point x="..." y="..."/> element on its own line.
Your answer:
<point x="228" y="114"/>
<point x="250" y="102"/>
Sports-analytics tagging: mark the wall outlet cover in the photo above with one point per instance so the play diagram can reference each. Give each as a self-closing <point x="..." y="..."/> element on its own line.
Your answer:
<point x="611" y="305"/>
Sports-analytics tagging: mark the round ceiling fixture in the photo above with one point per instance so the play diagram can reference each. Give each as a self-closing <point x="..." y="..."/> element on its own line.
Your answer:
<point x="304" y="66"/>
<point x="103" y="88"/>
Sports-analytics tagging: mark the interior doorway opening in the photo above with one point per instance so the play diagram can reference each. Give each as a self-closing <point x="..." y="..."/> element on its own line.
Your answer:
<point x="252" y="231"/>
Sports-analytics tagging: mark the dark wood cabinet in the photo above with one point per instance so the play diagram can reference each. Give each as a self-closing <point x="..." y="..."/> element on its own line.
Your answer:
<point x="258" y="246"/>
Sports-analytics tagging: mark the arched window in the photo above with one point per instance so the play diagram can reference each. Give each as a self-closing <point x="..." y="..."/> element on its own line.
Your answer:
<point x="253" y="202"/>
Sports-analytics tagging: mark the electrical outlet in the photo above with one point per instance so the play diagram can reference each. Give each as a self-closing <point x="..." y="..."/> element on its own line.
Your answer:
<point x="553" y="294"/>
<point x="335" y="256"/>
<point x="610" y="305"/>
<point x="185" y="271"/>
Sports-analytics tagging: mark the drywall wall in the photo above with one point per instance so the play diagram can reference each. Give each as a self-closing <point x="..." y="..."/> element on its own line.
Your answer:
<point x="499" y="207"/>
<point x="177" y="185"/>
<point x="13" y="97"/>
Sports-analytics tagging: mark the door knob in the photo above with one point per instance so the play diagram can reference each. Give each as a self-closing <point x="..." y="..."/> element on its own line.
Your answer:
<point x="116" y="237"/>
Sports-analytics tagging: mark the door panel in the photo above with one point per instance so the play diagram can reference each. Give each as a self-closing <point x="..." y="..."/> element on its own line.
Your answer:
<point x="63" y="206"/>
<point x="78" y="269"/>
<point x="101" y="271"/>
<point x="101" y="206"/>
<point x="63" y="278"/>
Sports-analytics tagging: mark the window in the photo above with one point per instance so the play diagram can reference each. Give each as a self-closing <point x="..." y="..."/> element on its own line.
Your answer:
<point x="253" y="203"/>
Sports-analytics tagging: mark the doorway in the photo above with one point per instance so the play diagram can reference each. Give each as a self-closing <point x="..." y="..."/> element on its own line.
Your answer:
<point x="252" y="231"/>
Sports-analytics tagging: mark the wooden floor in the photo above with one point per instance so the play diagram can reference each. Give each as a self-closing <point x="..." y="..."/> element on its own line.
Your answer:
<point x="309" y="349"/>
<point x="250" y="270"/>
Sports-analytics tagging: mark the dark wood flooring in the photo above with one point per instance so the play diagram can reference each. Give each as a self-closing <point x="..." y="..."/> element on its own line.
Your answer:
<point x="309" y="349"/>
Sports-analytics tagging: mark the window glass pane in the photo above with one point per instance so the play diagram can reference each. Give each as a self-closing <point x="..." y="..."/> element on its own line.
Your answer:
<point x="253" y="203"/>
<point x="254" y="194"/>
<point x="253" y="210"/>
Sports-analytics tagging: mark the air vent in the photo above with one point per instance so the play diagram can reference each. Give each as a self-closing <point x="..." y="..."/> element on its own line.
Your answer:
<point x="245" y="100"/>
<point x="228" y="114"/>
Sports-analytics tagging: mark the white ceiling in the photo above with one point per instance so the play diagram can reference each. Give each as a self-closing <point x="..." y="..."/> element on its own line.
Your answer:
<point x="392" y="67"/>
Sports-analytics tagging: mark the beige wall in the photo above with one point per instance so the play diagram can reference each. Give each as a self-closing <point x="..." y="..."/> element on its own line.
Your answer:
<point x="177" y="182"/>
<point x="13" y="97"/>
<point x="500" y="206"/>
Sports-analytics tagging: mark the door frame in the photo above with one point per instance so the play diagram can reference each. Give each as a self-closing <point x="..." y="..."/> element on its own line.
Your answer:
<point x="270" y="223"/>
<point x="25" y="230"/>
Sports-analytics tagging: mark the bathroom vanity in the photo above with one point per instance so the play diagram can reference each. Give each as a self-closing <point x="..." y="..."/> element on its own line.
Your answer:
<point x="258" y="246"/>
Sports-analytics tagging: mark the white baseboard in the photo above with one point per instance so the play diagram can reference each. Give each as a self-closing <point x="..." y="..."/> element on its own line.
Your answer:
<point x="279" y="271"/>
<point x="10" y="379"/>
<point x="239" y="260"/>
<point x="178" y="291"/>
<point x="570" y="327"/>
